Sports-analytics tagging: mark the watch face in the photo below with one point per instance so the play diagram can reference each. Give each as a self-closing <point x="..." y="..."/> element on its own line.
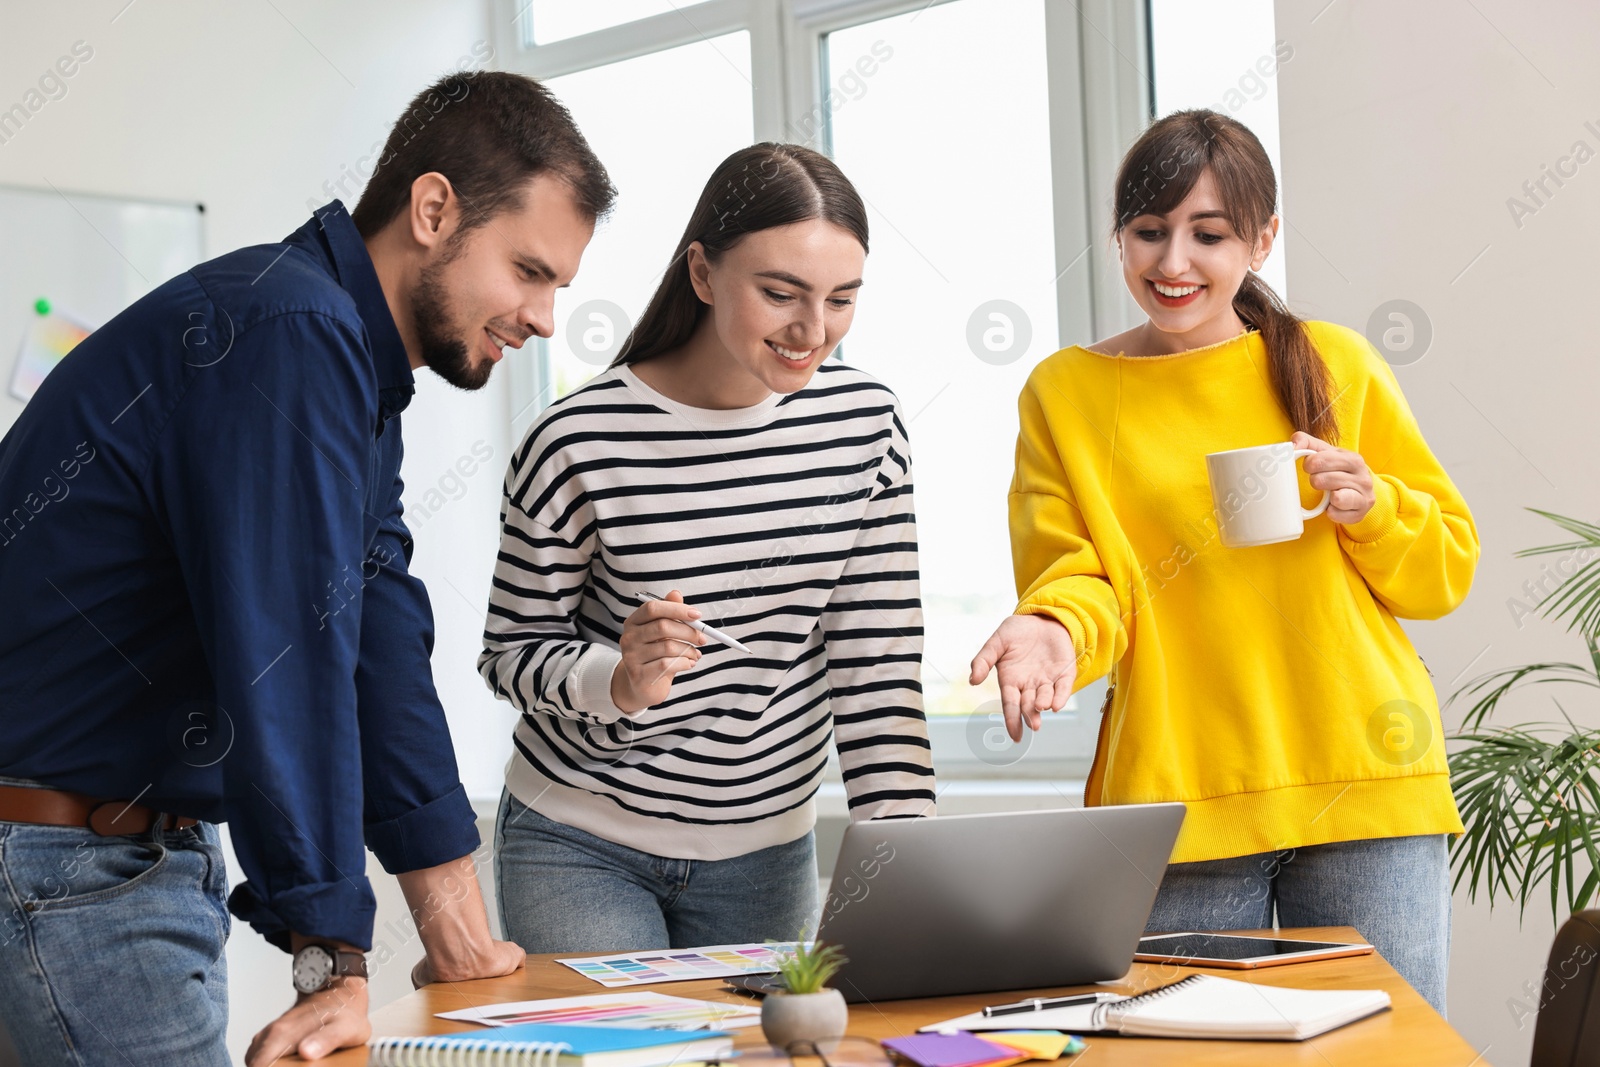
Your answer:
<point x="313" y="966"/>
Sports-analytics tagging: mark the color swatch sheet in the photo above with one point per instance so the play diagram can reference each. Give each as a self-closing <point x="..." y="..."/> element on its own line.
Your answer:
<point x="635" y="1011"/>
<point x="680" y="964"/>
<point x="47" y="342"/>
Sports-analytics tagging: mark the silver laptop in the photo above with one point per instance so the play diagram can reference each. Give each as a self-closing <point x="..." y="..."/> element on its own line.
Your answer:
<point x="974" y="903"/>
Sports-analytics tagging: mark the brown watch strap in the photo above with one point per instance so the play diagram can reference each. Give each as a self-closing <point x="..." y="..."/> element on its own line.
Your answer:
<point x="348" y="963"/>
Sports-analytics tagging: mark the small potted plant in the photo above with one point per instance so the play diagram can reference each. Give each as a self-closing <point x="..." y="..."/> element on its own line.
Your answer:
<point x="807" y="1010"/>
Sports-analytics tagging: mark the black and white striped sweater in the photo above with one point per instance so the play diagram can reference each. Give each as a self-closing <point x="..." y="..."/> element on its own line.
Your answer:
<point x="790" y="526"/>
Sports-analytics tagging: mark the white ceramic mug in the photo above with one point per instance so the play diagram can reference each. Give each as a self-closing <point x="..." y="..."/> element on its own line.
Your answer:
<point x="1256" y="492"/>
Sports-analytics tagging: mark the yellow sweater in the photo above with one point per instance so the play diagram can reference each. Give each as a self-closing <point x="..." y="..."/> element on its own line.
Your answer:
<point x="1269" y="688"/>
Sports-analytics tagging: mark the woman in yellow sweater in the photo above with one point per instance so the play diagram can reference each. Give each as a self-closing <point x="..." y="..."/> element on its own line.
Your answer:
<point x="1268" y="688"/>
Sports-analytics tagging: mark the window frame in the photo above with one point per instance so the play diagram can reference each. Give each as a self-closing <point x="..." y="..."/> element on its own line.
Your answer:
<point x="1100" y="89"/>
<point x="1100" y="98"/>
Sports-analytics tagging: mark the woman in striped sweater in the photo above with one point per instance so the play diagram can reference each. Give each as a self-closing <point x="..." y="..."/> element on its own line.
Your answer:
<point x="661" y="792"/>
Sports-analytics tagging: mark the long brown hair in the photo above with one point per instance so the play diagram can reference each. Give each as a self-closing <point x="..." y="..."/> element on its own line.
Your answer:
<point x="1160" y="171"/>
<point x="756" y="188"/>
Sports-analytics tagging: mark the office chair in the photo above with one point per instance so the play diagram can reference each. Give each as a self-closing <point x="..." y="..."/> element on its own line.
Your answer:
<point x="1567" y="1031"/>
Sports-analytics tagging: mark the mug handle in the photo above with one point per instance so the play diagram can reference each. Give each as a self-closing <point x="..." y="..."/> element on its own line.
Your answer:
<point x="1326" y="494"/>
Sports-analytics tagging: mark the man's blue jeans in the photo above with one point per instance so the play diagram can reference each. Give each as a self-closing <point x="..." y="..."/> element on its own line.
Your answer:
<point x="561" y="889"/>
<point x="1394" y="890"/>
<point x="111" y="948"/>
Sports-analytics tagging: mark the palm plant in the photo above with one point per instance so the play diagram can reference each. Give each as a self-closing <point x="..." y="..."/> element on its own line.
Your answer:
<point x="1529" y="794"/>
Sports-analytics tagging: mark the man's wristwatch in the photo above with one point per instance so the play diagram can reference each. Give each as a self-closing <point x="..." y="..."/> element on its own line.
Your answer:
<point x="317" y="964"/>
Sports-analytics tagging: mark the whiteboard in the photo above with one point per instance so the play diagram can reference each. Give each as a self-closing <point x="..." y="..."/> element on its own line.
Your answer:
<point x="88" y="256"/>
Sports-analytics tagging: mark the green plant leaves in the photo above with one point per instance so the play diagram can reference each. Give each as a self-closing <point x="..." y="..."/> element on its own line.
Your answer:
<point x="1528" y="795"/>
<point x="1495" y="685"/>
<point x="810" y="966"/>
<point x="1531" y="809"/>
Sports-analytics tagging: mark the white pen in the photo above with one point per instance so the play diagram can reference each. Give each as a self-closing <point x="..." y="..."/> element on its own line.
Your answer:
<point x="709" y="631"/>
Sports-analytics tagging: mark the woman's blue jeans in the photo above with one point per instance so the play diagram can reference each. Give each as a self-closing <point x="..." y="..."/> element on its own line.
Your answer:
<point x="561" y="889"/>
<point x="1394" y="890"/>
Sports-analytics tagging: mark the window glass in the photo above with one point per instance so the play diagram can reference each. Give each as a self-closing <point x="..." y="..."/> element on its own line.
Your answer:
<point x="960" y="299"/>
<point x="660" y="123"/>
<point x="556" y="20"/>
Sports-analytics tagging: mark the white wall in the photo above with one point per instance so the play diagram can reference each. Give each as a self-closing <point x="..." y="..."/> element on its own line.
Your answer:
<point x="250" y="108"/>
<point x="1405" y="129"/>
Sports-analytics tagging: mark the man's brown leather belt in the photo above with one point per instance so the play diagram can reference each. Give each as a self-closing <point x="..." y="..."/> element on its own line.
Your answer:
<point x="57" y="807"/>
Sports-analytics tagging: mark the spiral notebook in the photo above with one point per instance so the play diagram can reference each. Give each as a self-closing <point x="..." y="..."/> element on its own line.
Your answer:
<point x="1200" y="1006"/>
<point x="548" y="1045"/>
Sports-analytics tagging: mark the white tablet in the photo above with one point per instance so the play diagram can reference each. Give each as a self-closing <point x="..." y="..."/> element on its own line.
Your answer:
<point x="1238" y="950"/>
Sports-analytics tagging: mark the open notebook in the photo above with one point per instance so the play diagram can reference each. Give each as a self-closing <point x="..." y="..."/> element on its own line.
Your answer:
<point x="1200" y="1005"/>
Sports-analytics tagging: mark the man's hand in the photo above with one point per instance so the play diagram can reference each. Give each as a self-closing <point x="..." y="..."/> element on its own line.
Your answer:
<point x="503" y="957"/>
<point x="318" y="1024"/>
<point x="657" y="642"/>
<point x="1036" y="664"/>
<point x="447" y="905"/>
<point x="1340" y="472"/>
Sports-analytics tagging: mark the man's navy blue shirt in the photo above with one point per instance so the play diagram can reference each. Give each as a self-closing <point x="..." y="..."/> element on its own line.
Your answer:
<point x="203" y="573"/>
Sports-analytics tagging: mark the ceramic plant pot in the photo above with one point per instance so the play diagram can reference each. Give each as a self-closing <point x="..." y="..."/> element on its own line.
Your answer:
<point x="790" y="1017"/>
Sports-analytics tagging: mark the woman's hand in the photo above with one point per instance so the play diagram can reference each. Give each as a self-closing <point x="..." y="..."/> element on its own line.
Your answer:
<point x="657" y="642"/>
<point x="1036" y="664"/>
<point x="1341" y="472"/>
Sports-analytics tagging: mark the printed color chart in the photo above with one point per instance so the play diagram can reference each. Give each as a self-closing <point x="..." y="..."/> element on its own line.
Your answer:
<point x="641" y="1011"/>
<point x="680" y="965"/>
<point x="47" y="342"/>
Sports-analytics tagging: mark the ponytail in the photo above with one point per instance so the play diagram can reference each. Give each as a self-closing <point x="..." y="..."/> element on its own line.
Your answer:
<point x="1299" y="375"/>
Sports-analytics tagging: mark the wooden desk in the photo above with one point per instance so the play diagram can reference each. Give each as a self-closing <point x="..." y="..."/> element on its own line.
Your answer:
<point x="1412" y="1033"/>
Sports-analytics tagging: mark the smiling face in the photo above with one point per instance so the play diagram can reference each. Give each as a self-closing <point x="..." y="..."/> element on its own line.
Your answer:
<point x="495" y="284"/>
<point x="1185" y="267"/>
<point x="781" y="299"/>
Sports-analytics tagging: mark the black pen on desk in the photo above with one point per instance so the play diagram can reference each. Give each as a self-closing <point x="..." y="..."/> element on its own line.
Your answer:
<point x="702" y="627"/>
<point x="1042" y="1003"/>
